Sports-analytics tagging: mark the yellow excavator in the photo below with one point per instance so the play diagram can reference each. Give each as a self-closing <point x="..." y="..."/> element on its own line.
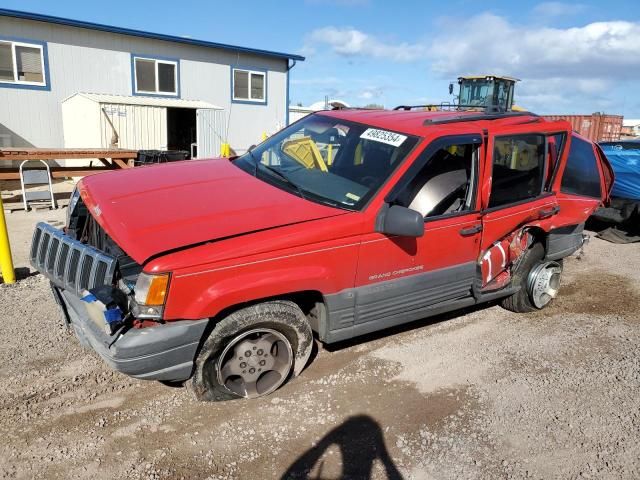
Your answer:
<point x="489" y="93"/>
<point x="486" y="92"/>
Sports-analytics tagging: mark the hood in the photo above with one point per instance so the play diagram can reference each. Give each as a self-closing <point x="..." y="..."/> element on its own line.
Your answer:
<point x="151" y="210"/>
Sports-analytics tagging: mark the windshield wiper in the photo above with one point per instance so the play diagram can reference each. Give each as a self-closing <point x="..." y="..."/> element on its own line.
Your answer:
<point x="285" y="177"/>
<point x="275" y="171"/>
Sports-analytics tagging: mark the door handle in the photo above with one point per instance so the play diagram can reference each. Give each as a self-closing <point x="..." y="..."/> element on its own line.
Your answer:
<point x="549" y="212"/>
<point x="466" y="232"/>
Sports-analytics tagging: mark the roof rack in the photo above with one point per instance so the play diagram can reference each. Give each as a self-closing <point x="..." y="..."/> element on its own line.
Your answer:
<point x="448" y="107"/>
<point x="479" y="116"/>
<point x="435" y="105"/>
<point x="487" y="113"/>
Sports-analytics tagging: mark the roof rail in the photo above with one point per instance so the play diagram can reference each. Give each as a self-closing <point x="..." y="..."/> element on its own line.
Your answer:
<point x="478" y="117"/>
<point x="446" y="107"/>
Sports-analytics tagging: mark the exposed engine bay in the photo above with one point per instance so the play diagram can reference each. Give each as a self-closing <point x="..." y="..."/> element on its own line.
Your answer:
<point x="81" y="226"/>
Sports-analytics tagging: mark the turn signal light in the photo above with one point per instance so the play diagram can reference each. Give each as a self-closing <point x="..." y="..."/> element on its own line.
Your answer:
<point x="151" y="289"/>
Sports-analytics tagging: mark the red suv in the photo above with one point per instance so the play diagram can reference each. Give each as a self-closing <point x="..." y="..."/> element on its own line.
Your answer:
<point x="218" y="272"/>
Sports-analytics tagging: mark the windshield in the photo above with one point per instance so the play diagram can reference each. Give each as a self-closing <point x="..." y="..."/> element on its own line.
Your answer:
<point x="476" y="92"/>
<point x="328" y="160"/>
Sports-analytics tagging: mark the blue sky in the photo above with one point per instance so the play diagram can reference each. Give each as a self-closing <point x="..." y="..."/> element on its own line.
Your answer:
<point x="572" y="57"/>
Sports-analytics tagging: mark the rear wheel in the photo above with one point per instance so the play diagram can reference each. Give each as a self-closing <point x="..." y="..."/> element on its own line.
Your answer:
<point x="538" y="279"/>
<point x="252" y="352"/>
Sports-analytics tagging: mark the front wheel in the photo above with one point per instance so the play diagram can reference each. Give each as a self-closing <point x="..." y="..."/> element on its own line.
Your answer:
<point x="255" y="363"/>
<point x="538" y="279"/>
<point x="252" y="352"/>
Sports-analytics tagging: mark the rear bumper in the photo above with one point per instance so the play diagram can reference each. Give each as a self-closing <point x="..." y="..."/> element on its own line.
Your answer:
<point x="164" y="352"/>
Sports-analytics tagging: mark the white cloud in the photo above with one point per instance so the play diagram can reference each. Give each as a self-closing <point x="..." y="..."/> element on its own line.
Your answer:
<point x="557" y="9"/>
<point x="573" y="70"/>
<point x="578" y="69"/>
<point x="371" y="93"/>
<point x="352" y="42"/>
<point x="490" y="43"/>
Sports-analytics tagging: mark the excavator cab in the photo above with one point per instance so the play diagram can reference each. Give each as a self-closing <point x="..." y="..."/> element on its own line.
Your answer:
<point x="486" y="92"/>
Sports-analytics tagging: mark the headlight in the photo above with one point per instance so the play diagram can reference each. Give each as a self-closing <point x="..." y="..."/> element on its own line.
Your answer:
<point x="151" y="289"/>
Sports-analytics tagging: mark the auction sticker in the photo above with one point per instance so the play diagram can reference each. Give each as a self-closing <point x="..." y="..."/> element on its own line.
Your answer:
<point x="383" y="136"/>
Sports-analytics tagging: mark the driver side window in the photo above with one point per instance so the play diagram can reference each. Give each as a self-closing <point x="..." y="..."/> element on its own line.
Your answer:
<point x="444" y="186"/>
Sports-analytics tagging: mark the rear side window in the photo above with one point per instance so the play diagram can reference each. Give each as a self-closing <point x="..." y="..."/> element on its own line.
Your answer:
<point x="518" y="168"/>
<point x="581" y="175"/>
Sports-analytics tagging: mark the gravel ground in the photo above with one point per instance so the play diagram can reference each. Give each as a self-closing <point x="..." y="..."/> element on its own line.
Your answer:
<point x="478" y="394"/>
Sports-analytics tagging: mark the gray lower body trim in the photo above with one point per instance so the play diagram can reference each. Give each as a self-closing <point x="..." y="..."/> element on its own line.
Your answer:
<point x="339" y="335"/>
<point x="564" y="241"/>
<point x="163" y="352"/>
<point x="361" y="310"/>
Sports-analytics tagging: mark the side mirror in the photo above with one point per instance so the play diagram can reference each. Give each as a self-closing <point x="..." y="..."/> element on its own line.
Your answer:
<point x="401" y="221"/>
<point x="451" y="89"/>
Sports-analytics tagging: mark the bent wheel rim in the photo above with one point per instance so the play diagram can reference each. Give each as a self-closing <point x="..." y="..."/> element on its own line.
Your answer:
<point x="255" y="363"/>
<point x="544" y="283"/>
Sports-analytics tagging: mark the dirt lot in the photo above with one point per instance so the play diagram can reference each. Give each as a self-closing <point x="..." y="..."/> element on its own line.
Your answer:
<point x="480" y="394"/>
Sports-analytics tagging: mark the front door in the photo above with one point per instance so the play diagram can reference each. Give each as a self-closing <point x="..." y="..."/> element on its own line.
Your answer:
<point x="401" y="279"/>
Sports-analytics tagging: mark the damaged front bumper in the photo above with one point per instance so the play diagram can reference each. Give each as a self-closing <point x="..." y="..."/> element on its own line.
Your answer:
<point x="163" y="352"/>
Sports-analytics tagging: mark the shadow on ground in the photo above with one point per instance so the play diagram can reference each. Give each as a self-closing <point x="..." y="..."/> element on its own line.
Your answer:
<point x="361" y="443"/>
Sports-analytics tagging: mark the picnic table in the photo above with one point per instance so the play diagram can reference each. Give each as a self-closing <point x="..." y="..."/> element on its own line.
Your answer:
<point x="109" y="158"/>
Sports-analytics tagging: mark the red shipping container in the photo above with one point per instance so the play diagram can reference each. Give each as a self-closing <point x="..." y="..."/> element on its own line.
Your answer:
<point x="598" y="127"/>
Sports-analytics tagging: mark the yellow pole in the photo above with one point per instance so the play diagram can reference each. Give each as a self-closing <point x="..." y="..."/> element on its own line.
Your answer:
<point x="6" y="263"/>
<point x="225" y="150"/>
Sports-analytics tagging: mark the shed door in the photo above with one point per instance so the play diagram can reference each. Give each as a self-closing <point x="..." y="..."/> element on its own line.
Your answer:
<point x="210" y="124"/>
<point x="138" y="127"/>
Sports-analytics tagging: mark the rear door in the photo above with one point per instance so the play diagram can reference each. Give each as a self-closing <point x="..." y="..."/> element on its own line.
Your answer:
<point x="518" y="173"/>
<point x="583" y="182"/>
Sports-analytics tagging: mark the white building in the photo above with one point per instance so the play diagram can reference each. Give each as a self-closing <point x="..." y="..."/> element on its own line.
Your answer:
<point x="296" y="112"/>
<point x="68" y="83"/>
<point x="633" y="126"/>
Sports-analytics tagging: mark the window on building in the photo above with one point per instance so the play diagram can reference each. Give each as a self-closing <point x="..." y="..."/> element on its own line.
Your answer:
<point x="249" y="85"/>
<point x="518" y="168"/>
<point x="153" y="76"/>
<point x="22" y="63"/>
<point x="581" y="175"/>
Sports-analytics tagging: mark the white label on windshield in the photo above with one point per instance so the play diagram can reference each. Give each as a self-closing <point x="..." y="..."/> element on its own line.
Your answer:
<point x="383" y="136"/>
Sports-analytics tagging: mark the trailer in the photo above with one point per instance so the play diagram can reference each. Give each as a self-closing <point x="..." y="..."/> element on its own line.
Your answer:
<point x="597" y="127"/>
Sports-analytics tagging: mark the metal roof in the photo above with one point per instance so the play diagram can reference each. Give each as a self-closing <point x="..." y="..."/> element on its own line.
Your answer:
<point x="482" y="77"/>
<point x="38" y="17"/>
<point x="147" y="101"/>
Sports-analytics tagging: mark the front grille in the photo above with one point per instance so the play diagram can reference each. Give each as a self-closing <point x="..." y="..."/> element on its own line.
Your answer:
<point x="68" y="263"/>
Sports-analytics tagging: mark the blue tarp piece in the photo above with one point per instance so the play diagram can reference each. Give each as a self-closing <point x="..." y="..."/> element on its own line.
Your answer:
<point x="626" y="166"/>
